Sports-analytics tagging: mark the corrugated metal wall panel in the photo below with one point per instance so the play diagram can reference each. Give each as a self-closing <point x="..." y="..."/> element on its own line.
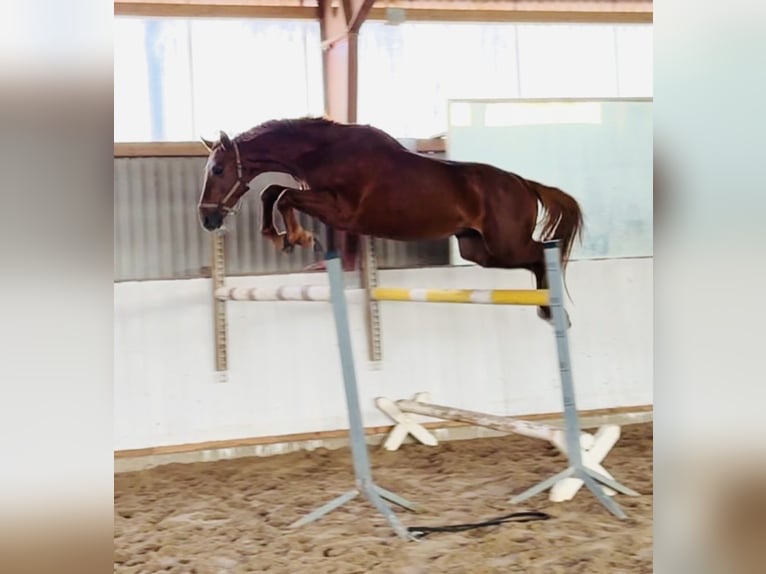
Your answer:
<point x="157" y="233"/>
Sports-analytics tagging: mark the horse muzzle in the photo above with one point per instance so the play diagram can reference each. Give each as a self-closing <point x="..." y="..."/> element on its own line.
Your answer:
<point x="212" y="220"/>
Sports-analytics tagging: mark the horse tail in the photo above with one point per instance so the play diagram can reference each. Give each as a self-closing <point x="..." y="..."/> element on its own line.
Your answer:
<point x="563" y="218"/>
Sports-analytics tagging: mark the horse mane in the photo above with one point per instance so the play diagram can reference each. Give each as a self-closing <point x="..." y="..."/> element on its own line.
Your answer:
<point x="307" y="125"/>
<point x="288" y="125"/>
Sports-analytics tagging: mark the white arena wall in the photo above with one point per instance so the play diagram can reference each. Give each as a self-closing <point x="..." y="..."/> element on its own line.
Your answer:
<point x="285" y="376"/>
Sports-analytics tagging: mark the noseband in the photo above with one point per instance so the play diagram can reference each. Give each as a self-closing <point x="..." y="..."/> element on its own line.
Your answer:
<point x="223" y="204"/>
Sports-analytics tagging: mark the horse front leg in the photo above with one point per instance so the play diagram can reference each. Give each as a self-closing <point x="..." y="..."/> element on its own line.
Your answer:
<point x="322" y="204"/>
<point x="269" y="198"/>
<point x="296" y="233"/>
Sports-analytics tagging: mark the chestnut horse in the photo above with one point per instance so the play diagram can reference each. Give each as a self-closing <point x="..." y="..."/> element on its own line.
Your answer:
<point x="361" y="180"/>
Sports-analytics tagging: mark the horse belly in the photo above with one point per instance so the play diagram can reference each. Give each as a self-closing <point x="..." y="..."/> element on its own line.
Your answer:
<point x="407" y="197"/>
<point x="408" y="221"/>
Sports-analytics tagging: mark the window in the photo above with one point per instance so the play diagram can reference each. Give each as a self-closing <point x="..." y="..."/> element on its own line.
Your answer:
<point x="635" y="74"/>
<point x="407" y="73"/>
<point x="179" y="79"/>
<point x="564" y="60"/>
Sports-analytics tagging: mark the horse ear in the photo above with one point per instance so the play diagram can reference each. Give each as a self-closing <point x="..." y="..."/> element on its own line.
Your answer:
<point x="225" y="140"/>
<point x="208" y="144"/>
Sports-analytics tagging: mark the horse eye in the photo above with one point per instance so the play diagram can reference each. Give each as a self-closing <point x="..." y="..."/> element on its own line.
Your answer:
<point x="217" y="169"/>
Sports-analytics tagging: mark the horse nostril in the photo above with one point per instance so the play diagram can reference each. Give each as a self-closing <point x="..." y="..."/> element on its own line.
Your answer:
<point x="211" y="221"/>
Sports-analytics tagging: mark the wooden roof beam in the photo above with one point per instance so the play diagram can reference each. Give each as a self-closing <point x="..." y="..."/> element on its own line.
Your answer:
<point x="605" y="11"/>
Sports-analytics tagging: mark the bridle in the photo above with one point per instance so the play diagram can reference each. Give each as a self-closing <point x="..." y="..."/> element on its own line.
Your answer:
<point x="223" y="204"/>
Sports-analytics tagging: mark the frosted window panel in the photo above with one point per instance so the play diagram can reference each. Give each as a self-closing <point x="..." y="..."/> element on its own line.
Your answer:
<point x="407" y="73"/>
<point x="635" y="60"/>
<point x="173" y="56"/>
<point x="248" y="72"/>
<point x="179" y="79"/>
<point x="152" y="88"/>
<point x="600" y="152"/>
<point x="382" y="101"/>
<point x="567" y="60"/>
<point x="132" y="118"/>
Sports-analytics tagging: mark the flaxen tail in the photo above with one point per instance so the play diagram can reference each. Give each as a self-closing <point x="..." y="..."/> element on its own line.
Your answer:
<point x="562" y="218"/>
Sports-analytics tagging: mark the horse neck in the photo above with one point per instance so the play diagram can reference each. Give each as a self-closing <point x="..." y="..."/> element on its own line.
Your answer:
<point x="273" y="156"/>
<point x="286" y="146"/>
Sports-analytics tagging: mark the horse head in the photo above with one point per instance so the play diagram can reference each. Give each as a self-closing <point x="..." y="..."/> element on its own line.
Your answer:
<point x="225" y="181"/>
<point x="273" y="146"/>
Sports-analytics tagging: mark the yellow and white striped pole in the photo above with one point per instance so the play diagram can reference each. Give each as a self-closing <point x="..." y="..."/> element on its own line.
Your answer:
<point x="537" y="297"/>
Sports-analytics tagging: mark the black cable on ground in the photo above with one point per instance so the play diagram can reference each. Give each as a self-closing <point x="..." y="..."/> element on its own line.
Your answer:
<point x="423" y="531"/>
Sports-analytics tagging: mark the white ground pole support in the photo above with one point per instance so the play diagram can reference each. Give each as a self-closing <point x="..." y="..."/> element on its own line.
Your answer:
<point x="577" y="468"/>
<point x="405" y="423"/>
<point x="594" y="448"/>
<point x="362" y="470"/>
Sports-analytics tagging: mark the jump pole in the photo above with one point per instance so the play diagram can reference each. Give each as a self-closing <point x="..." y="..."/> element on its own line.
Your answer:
<point x="362" y="469"/>
<point x="337" y="295"/>
<point x="376" y="294"/>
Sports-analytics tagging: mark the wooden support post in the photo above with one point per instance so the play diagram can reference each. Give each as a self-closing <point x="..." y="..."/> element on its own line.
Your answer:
<point x="339" y="29"/>
<point x="220" y="325"/>
<point x="370" y="284"/>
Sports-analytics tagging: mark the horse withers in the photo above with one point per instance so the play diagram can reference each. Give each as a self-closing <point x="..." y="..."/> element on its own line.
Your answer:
<point x="359" y="179"/>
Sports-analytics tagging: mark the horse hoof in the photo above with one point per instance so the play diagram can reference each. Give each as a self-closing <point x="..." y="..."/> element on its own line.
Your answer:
<point x="318" y="248"/>
<point x="548" y="318"/>
<point x="287" y="247"/>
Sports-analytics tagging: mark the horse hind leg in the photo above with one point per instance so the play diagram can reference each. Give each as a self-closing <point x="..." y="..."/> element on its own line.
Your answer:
<point x="541" y="280"/>
<point x="520" y="252"/>
<point x="472" y="248"/>
<point x="532" y="259"/>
